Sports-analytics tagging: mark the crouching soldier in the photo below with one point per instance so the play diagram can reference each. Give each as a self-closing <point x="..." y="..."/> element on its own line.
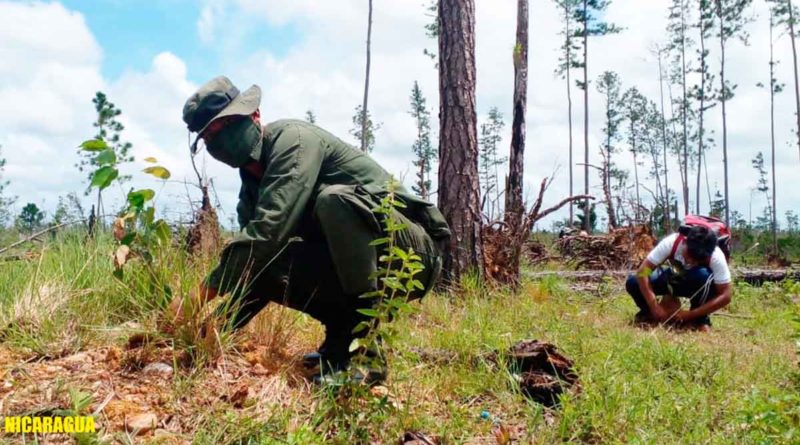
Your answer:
<point x="698" y="271"/>
<point x="306" y="215"/>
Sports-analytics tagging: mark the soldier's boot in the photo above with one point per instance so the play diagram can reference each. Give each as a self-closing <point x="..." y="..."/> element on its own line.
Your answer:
<point x="336" y="360"/>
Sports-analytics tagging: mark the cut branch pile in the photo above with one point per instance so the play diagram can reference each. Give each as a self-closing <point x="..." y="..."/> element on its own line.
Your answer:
<point x="503" y="244"/>
<point x="622" y="248"/>
<point x="535" y="252"/>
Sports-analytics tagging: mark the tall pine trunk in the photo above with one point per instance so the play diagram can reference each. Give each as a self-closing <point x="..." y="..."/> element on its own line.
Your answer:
<point x="514" y="207"/>
<point x="568" y="61"/>
<point x="459" y="194"/>
<point x="724" y="99"/>
<point x="665" y="223"/>
<point x="796" y="79"/>
<point x="701" y="111"/>
<point x="684" y="106"/>
<point x="366" y="83"/>
<point x="636" y="178"/>
<point x="606" y="168"/>
<point x="772" y="134"/>
<point x="587" y="210"/>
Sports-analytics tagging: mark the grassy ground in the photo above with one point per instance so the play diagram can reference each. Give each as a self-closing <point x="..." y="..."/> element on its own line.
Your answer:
<point x="69" y="323"/>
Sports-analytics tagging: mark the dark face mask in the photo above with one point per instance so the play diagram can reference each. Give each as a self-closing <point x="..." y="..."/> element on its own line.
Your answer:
<point x="237" y="144"/>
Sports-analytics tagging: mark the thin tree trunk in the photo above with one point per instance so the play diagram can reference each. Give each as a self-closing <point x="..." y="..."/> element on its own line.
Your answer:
<point x="724" y="114"/>
<point x="702" y="110"/>
<point x="514" y="206"/>
<point x="100" y="208"/>
<point x="568" y="61"/>
<point x="366" y="84"/>
<point x="636" y="178"/>
<point x="612" y="213"/>
<point x="772" y="134"/>
<point x="587" y="225"/>
<point x="796" y="80"/>
<point x="685" y="115"/>
<point x="665" y="223"/>
<point x="459" y="194"/>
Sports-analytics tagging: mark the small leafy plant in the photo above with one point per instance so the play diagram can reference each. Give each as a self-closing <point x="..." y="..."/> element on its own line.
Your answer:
<point x="138" y="233"/>
<point x="396" y="282"/>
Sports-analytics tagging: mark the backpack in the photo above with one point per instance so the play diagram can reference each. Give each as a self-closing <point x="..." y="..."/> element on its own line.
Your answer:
<point x="715" y="225"/>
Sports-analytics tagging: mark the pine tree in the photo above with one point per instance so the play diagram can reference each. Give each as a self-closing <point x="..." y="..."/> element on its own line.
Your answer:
<point x="30" y="218"/>
<point x="774" y="88"/>
<point x="423" y="147"/>
<point x="665" y="141"/>
<point x="635" y="115"/>
<point x="365" y="119"/>
<point x="566" y="63"/>
<point x="784" y="14"/>
<point x="792" y="221"/>
<point x="432" y="28"/>
<point x="311" y="117"/>
<point x="609" y="85"/>
<point x="488" y="159"/>
<point x="731" y="22"/>
<point x="110" y="130"/>
<point x="653" y="124"/>
<point x="514" y="206"/>
<point x="679" y="45"/>
<point x="588" y="16"/>
<point x="703" y="93"/>
<point x="5" y="201"/>
<point x="763" y="184"/>
<point x="66" y="210"/>
<point x="459" y="191"/>
<point x="359" y="128"/>
<point x="717" y="205"/>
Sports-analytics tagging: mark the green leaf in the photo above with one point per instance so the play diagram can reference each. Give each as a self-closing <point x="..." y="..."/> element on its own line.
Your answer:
<point x="148" y="216"/>
<point x="360" y="327"/>
<point x="163" y="232"/>
<point x="355" y="345"/>
<point x="372" y="294"/>
<point x="137" y="198"/>
<point x="94" y="145"/>
<point x="150" y="159"/>
<point x="128" y="238"/>
<point x="379" y="241"/>
<point x="368" y="312"/>
<point x="106" y="157"/>
<point x="104" y="176"/>
<point x="158" y="172"/>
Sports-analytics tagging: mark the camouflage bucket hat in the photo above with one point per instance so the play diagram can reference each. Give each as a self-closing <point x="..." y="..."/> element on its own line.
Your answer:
<point x="218" y="98"/>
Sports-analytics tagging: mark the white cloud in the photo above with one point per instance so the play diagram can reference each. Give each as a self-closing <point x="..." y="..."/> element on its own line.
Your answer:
<point x="56" y="69"/>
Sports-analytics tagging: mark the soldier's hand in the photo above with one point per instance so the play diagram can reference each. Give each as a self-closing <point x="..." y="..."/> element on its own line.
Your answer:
<point x="659" y="314"/>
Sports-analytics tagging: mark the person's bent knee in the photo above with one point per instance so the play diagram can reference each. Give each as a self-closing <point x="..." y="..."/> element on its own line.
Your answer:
<point x="632" y="284"/>
<point x="330" y="196"/>
<point x="701" y="273"/>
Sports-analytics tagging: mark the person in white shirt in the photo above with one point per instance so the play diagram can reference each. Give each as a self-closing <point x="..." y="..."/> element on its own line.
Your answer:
<point x="699" y="271"/>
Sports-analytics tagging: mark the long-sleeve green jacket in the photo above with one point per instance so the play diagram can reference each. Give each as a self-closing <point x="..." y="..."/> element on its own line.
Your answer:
<point x="300" y="160"/>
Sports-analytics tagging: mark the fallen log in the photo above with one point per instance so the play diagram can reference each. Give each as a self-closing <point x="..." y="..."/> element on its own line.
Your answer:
<point x="751" y="276"/>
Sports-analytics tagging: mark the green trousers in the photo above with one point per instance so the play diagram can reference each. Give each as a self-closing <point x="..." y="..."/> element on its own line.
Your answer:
<point x="324" y="274"/>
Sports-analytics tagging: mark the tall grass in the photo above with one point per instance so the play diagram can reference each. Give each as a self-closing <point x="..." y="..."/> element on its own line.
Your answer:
<point x="734" y="385"/>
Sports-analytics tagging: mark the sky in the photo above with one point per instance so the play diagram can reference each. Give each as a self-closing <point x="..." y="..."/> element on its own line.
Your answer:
<point x="148" y="57"/>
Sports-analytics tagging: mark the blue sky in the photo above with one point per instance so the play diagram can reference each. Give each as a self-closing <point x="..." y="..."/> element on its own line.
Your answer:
<point x="132" y="33"/>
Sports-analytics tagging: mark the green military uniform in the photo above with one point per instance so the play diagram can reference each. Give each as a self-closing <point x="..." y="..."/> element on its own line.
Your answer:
<point x="315" y="202"/>
<point x="308" y="221"/>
